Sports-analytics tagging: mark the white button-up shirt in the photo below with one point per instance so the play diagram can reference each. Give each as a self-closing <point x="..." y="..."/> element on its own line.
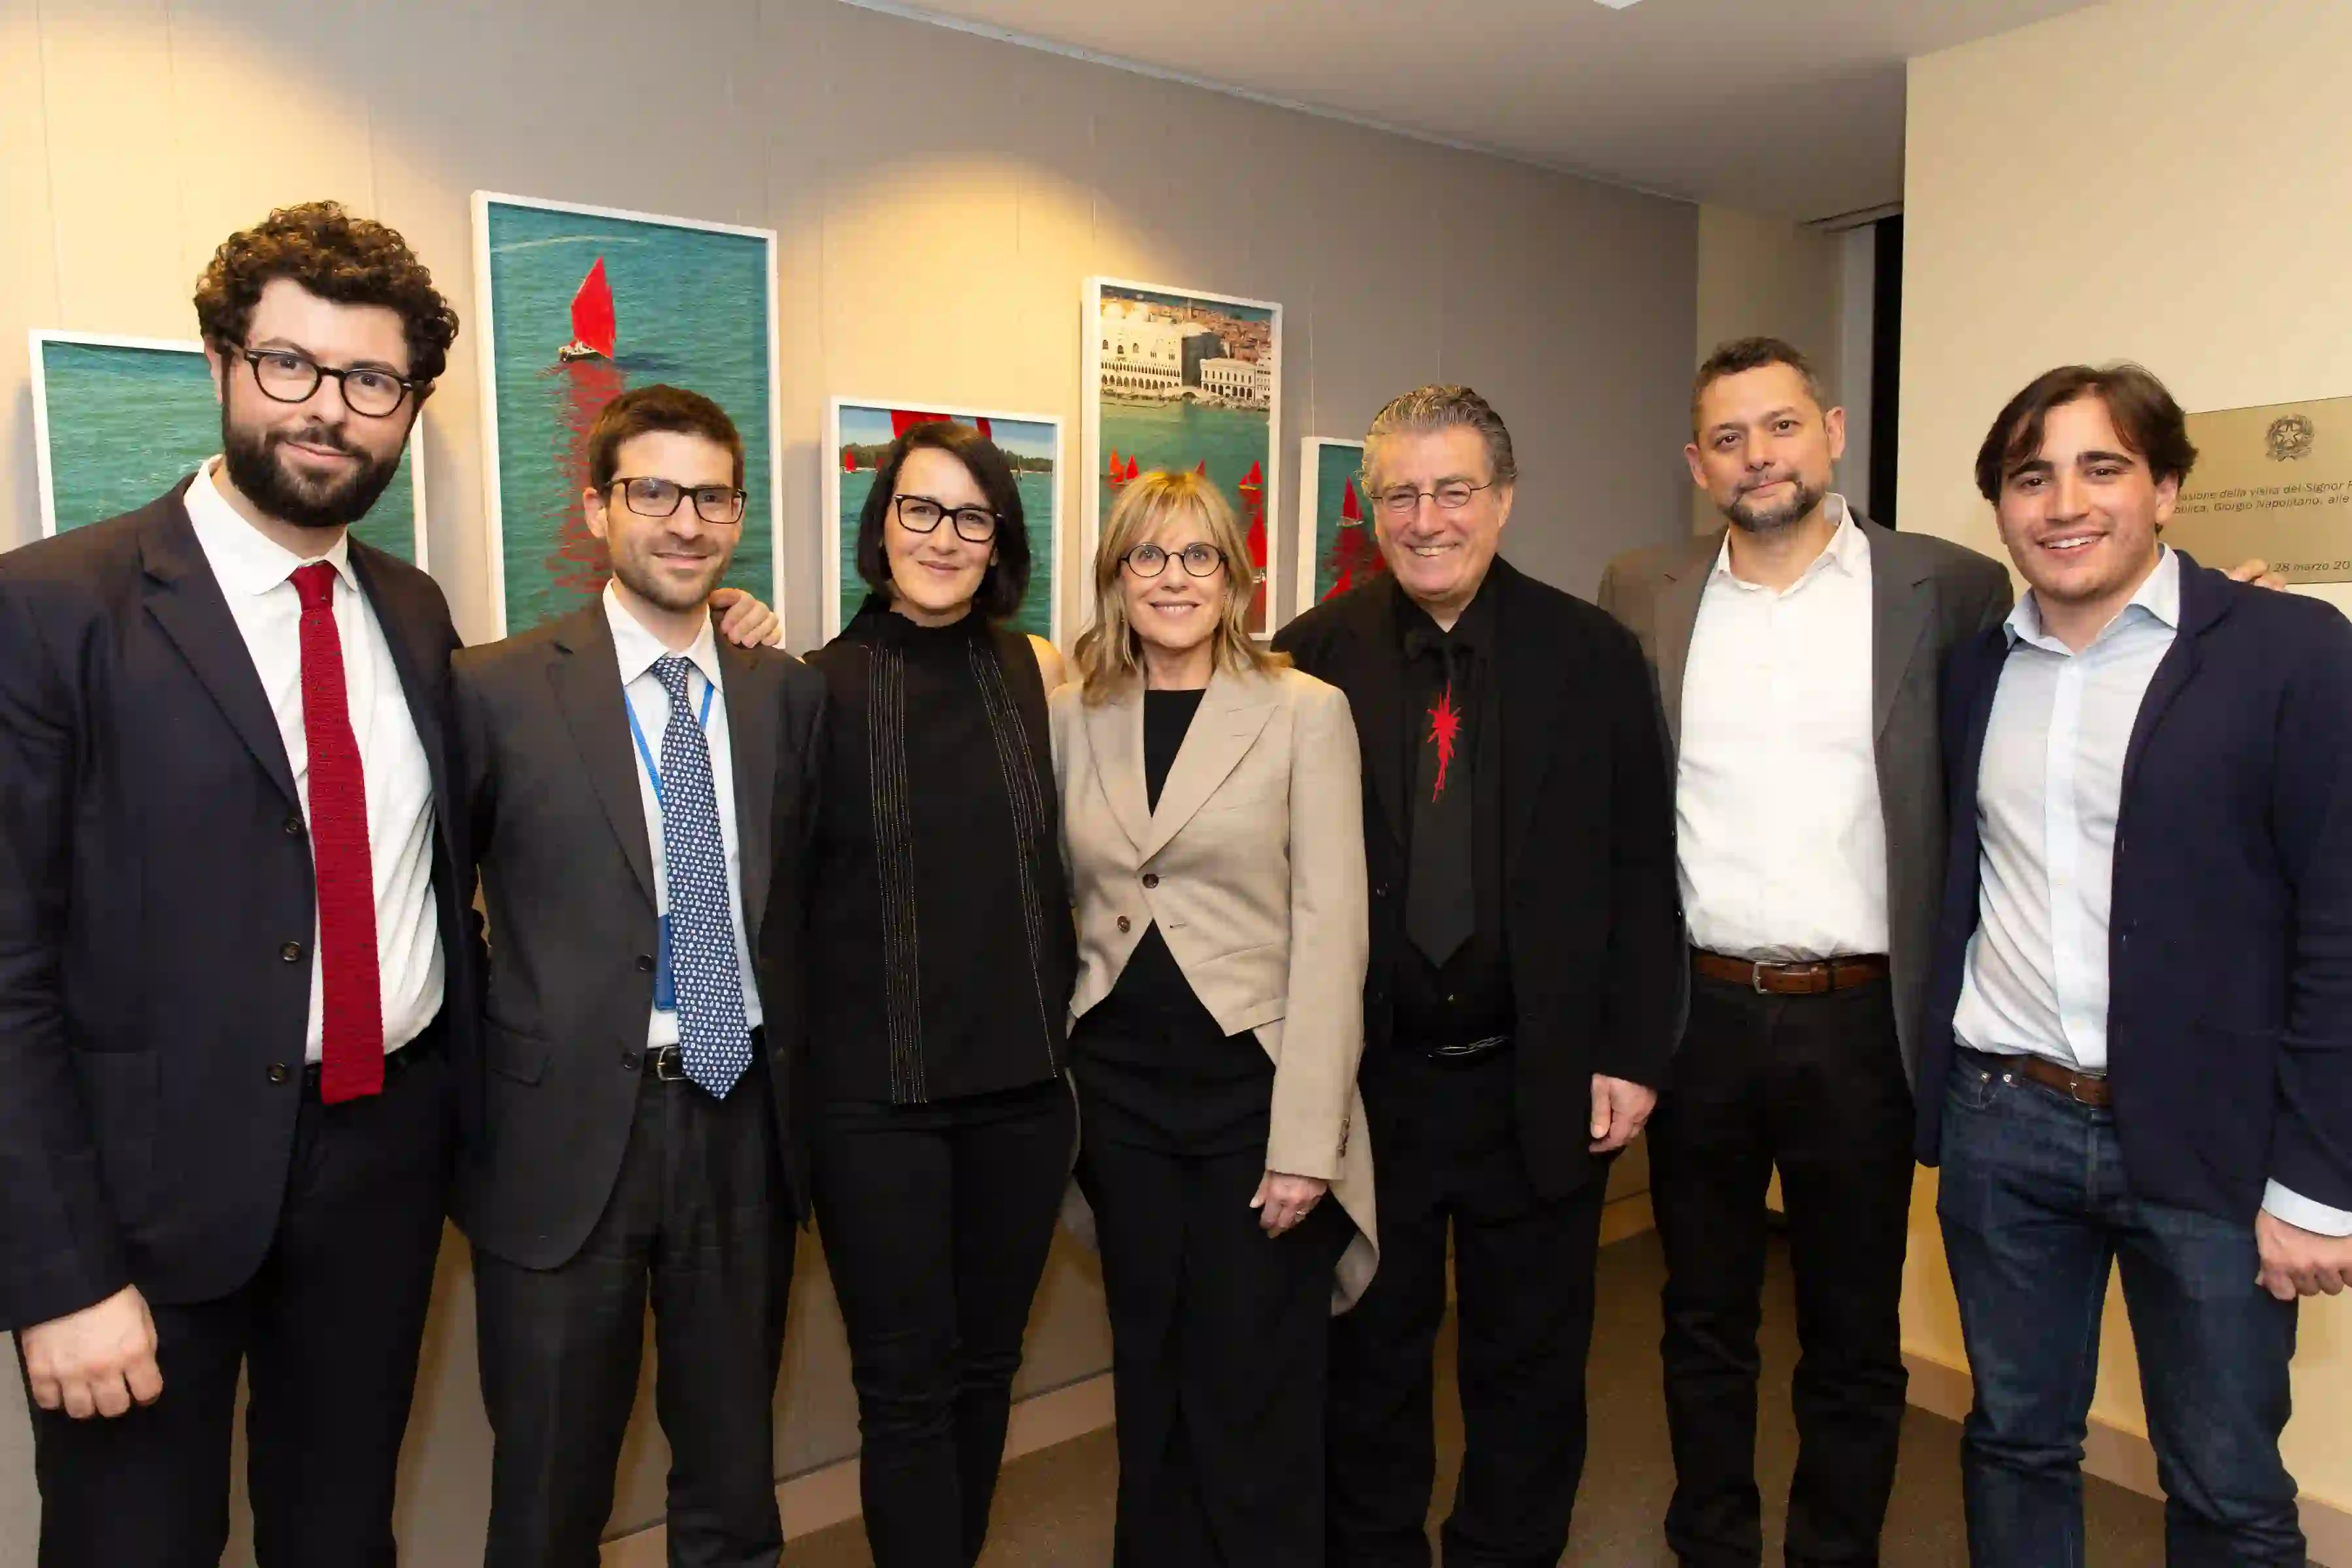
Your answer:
<point x="254" y="575"/>
<point x="1781" y="846"/>
<point x="2049" y="789"/>
<point x="637" y="650"/>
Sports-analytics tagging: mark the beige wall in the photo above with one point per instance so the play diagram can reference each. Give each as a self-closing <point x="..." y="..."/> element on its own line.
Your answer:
<point x="938" y="198"/>
<point x="2163" y="179"/>
<point x="1760" y="275"/>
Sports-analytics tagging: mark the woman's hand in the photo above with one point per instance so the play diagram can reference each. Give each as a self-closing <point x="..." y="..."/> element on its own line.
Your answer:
<point x="1283" y="1202"/>
<point x="743" y="620"/>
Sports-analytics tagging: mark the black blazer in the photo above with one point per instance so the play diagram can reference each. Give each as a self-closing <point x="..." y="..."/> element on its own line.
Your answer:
<point x="1590" y="907"/>
<point x="2230" y="938"/>
<point x="550" y="782"/>
<point x="155" y="876"/>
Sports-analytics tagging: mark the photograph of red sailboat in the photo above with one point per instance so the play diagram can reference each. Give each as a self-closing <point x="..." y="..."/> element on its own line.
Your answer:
<point x="592" y="321"/>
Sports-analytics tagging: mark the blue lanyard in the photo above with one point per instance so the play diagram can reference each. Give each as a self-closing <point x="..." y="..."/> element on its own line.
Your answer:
<point x="646" y="752"/>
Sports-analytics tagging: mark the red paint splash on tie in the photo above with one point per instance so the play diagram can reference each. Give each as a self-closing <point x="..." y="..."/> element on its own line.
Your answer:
<point x="1444" y="727"/>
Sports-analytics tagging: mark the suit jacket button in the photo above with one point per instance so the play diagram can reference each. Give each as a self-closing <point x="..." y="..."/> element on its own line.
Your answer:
<point x="279" y="1072"/>
<point x="644" y="964"/>
<point x="1124" y="924"/>
<point x="292" y="952"/>
<point x="629" y="1059"/>
<point x="1381" y="890"/>
<point x="293" y="824"/>
<point x="1151" y="879"/>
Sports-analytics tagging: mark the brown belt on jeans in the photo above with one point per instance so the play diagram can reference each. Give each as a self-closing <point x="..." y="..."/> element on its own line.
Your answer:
<point x="2082" y="1088"/>
<point x="1815" y="979"/>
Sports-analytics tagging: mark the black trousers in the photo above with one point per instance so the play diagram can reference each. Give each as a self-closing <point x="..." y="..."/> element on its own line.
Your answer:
<point x="1219" y="1335"/>
<point x="1448" y="1155"/>
<point x="936" y="1220"/>
<point x="1813" y="1085"/>
<point x="327" y="1331"/>
<point x="699" y="1215"/>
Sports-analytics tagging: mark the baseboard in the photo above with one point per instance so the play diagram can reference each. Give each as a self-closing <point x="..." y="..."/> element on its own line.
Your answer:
<point x="826" y="1496"/>
<point x="2123" y="1458"/>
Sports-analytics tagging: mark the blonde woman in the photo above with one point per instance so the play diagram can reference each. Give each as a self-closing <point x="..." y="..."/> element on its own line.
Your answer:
<point x="1211" y="817"/>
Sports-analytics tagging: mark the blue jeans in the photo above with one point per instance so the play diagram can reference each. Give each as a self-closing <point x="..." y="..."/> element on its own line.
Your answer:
<point x="2035" y="1206"/>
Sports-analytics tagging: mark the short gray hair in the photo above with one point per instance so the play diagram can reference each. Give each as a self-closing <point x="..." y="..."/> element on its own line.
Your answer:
<point x="1431" y="408"/>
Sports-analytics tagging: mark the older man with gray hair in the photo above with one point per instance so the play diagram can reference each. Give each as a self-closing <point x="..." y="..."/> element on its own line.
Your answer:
<point x="1521" y="1001"/>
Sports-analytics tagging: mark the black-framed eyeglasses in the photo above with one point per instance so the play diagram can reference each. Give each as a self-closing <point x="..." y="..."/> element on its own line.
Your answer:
<point x="921" y="515"/>
<point x="1151" y="561"/>
<point x="289" y="375"/>
<point x="1451" y="496"/>
<point x="650" y="497"/>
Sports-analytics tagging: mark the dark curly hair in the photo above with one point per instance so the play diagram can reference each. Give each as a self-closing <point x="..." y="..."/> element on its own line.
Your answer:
<point x="350" y="261"/>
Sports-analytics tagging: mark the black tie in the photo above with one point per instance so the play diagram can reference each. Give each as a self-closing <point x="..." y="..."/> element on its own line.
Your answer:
<point x="1441" y="905"/>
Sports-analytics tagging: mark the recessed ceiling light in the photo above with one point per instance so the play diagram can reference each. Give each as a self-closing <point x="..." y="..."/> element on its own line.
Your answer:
<point x="1618" y="4"/>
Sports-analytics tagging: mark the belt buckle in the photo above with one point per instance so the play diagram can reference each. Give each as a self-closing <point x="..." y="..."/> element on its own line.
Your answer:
<point x="1756" y="977"/>
<point x="668" y="1064"/>
<point x="2074" y="1084"/>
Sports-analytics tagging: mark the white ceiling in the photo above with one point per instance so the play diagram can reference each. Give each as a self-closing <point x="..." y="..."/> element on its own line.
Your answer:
<point x="1794" y="107"/>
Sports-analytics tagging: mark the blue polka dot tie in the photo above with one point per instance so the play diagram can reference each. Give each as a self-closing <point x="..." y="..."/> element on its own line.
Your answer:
<point x="712" y="1039"/>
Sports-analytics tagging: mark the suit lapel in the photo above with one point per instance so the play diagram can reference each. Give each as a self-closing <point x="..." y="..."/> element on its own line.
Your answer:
<point x="1902" y="604"/>
<point x="186" y="601"/>
<point x="414" y="653"/>
<point x="1676" y="614"/>
<point x="1379" y="700"/>
<point x="1115" y="736"/>
<point x="1534" y="680"/>
<point x="2200" y="606"/>
<point x="587" y="674"/>
<point x="1233" y="715"/>
<point x="751" y="741"/>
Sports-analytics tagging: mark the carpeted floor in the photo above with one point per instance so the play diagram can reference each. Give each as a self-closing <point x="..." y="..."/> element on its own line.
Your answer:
<point x="1054" y="1507"/>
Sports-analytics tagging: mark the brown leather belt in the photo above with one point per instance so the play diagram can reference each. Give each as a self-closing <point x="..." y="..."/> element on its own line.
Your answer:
<point x="1815" y="979"/>
<point x="2082" y="1088"/>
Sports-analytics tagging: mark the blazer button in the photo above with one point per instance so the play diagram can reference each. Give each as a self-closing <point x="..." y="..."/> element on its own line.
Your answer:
<point x="644" y="964"/>
<point x="279" y="1072"/>
<point x="292" y="952"/>
<point x="629" y="1060"/>
<point x="1124" y="924"/>
<point x="1381" y="890"/>
<point x="1151" y="879"/>
<point x="293" y="824"/>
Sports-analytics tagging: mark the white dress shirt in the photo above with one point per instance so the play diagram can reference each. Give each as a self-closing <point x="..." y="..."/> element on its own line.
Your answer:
<point x="2049" y="788"/>
<point x="1780" y="843"/>
<point x="637" y="650"/>
<point x="254" y="575"/>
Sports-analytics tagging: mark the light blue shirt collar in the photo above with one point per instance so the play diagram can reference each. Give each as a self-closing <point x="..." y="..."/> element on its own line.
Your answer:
<point x="2158" y="598"/>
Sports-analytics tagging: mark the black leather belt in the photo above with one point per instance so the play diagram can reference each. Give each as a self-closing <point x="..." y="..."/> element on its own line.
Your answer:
<point x="421" y="1049"/>
<point x="1475" y="1051"/>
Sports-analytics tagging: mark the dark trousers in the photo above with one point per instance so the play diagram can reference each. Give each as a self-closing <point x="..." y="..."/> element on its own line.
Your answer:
<point x="1815" y="1086"/>
<point x="2036" y="1209"/>
<point x="699" y="1213"/>
<point x="1219" y="1339"/>
<point x="1446" y="1153"/>
<point x="936" y="1219"/>
<point x="327" y="1332"/>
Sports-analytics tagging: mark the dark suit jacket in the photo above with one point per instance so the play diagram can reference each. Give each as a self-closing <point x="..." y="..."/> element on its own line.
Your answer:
<point x="1589" y="908"/>
<point x="567" y="870"/>
<point x="1927" y="596"/>
<point x="2230" y="938"/>
<point x="153" y="864"/>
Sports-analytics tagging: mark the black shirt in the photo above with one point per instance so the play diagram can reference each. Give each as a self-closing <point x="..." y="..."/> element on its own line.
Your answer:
<point x="1469" y="996"/>
<point x="941" y="955"/>
<point x="1153" y="1065"/>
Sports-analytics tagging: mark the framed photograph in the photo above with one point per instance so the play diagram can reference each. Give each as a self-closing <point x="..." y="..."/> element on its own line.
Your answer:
<point x="1337" y="551"/>
<point x="577" y="305"/>
<point x="118" y="421"/>
<point x="1178" y="378"/>
<point x="858" y="434"/>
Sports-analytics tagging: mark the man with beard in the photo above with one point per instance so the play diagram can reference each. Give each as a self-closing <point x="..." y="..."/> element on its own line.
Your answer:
<point x="1797" y="652"/>
<point x="1519" y="1001"/>
<point x="235" y="966"/>
<point x="638" y="796"/>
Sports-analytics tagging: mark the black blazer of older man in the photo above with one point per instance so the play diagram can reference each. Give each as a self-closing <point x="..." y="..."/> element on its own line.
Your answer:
<point x="567" y="870"/>
<point x="1589" y="906"/>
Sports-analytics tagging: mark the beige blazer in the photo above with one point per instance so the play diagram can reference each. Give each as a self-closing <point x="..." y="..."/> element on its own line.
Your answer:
<point x="1253" y="866"/>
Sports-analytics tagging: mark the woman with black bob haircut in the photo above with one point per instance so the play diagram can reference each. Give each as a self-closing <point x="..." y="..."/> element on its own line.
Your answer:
<point x="941" y="957"/>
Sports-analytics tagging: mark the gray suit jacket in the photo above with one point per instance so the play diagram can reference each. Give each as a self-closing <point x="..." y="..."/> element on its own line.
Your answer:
<point x="559" y="831"/>
<point x="1928" y="595"/>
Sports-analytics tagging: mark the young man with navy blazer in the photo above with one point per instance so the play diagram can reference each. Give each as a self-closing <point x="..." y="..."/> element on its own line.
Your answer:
<point x="2139" y="1035"/>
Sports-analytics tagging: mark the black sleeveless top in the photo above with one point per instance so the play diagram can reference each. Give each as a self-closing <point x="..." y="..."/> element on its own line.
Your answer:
<point x="941" y="951"/>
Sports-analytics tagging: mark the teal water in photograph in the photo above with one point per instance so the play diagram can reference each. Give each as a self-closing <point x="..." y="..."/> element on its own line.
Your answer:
<point x="127" y="424"/>
<point x="865" y="428"/>
<point x="1345" y="550"/>
<point x="689" y="308"/>
<point x="1181" y="435"/>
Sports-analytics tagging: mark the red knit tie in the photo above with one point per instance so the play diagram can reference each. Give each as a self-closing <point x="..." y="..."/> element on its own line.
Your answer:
<point x="353" y="1001"/>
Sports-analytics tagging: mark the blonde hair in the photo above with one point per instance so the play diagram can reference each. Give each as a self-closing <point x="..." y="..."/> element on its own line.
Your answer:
<point x="1109" y="653"/>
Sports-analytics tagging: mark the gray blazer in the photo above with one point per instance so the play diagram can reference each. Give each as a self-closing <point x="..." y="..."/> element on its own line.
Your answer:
<point x="1927" y="596"/>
